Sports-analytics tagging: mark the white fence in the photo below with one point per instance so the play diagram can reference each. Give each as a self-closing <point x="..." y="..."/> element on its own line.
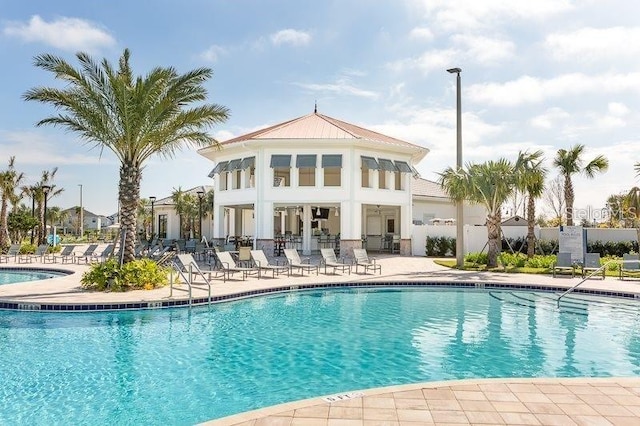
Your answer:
<point x="475" y="237"/>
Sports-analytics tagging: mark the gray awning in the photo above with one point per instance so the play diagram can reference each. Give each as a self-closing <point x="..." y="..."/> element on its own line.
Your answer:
<point x="387" y="165"/>
<point x="247" y="162"/>
<point x="306" y="161"/>
<point x="280" y="161"/>
<point x="332" y="160"/>
<point x="233" y="165"/>
<point x="415" y="172"/>
<point x="403" y="167"/>
<point x="369" y="163"/>
<point x="212" y="173"/>
<point x="219" y="168"/>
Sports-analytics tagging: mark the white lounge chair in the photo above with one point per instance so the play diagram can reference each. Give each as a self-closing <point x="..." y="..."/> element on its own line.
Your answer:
<point x="262" y="263"/>
<point x="329" y="260"/>
<point x="187" y="264"/>
<point x="362" y="259"/>
<point x="294" y="261"/>
<point x="229" y="265"/>
<point x="564" y="263"/>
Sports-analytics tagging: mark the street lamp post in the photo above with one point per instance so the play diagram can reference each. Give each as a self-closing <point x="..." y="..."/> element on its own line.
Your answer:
<point x="81" y="213"/>
<point x="200" y="195"/>
<point x="45" y="191"/>
<point x="33" y="209"/>
<point x="459" y="203"/>
<point x="153" y="201"/>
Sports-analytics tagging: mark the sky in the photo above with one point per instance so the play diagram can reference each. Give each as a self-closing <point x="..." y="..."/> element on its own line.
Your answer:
<point x="544" y="74"/>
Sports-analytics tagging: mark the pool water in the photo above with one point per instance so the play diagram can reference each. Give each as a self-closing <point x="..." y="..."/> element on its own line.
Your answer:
<point x="184" y="366"/>
<point x="12" y="276"/>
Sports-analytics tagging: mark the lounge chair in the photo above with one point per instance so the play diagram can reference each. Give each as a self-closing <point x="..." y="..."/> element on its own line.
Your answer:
<point x="13" y="252"/>
<point x="592" y="264"/>
<point x="630" y="266"/>
<point x="262" y="263"/>
<point x="229" y="265"/>
<point x="38" y="255"/>
<point x="329" y="260"/>
<point x="186" y="263"/>
<point x="107" y="252"/>
<point x="362" y="259"/>
<point x="564" y="263"/>
<point x="294" y="261"/>
<point x="66" y="255"/>
<point x="86" y="255"/>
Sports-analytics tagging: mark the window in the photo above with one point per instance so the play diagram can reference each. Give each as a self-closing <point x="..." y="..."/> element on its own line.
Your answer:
<point x="402" y="167"/>
<point x="162" y="226"/>
<point x="248" y="165"/>
<point x="219" y="170"/>
<point x="332" y="168"/>
<point x="368" y="164"/>
<point x="306" y="165"/>
<point x="385" y="166"/>
<point x="281" y="165"/>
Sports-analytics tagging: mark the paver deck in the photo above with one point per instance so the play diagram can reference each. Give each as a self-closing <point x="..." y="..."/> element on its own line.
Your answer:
<point x="583" y="401"/>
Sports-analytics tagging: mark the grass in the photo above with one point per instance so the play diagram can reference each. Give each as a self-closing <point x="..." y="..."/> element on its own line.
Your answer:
<point x="451" y="263"/>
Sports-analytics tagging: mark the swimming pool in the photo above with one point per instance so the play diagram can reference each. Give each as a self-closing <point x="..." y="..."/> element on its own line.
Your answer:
<point x="19" y="275"/>
<point x="182" y="366"/>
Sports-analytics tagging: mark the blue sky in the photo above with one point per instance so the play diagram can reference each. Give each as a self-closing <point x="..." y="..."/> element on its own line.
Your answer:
<point x="543" y="74"/>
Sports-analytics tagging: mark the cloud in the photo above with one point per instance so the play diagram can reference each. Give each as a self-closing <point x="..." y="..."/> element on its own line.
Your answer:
<point x="617" y="109"/>
<point x="549" y="118"/>
<point x="595" y="44"/>
<point x="212" y="53"/>
<point x="70" y="34"/>
<point x="342" y="86"/>
<point x="290" y="36"/>
<point x="485" y="50"/>
<point x="428" y="61"/>
<point x="527" y="89"/>
<point x="421" y="34"/>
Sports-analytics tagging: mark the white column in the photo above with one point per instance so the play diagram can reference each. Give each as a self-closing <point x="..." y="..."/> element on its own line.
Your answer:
<point x="306" y="229"/>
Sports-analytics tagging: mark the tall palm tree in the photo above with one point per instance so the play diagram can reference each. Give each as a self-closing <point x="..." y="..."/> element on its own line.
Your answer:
<point x="10" y="180"/>
<point x="571" y="162"/>
<point x="489" y="184"/>
<point x="531" y="175"/>
<point x="134" y="117"/>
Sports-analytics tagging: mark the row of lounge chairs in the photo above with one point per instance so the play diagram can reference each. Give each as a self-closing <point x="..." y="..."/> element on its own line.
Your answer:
<point x="224" y="265"/>
<point x="68" y="254"/>
<point x="630" y="266"/>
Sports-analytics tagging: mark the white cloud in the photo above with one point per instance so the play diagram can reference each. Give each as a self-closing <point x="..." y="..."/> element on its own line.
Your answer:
<point x="340" y="87"/>
<point x="290" y="36"/>
<point x="70" y="34"/>
<point x="213" y="53"/>
<point x="527" y="89"/>
<point x="485" y="50"/>
<point x="617" y="109"/>
<point x="595" y="44"/>
<point x="422" y="34"/>
<point x="433" y="59"/>
<point x="549" y="118"/>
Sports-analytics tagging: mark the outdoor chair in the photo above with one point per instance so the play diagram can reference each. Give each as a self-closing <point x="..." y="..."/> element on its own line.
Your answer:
<point x="86" y="255"/>
<point x="362" y="259"/>
<point x="106" y="252"/>
<point x="229" y="265"/>
<point x="244" y="257"/>
<point x="294" y="261"/>
<point x="592" y="264"/>
<point x="564" y="263"/>
<point x="13" y="252"/>
<point x="39" y="254"/>
<point x="630" y="266"/>
<point x="187" y="264"/>
<point x="66" y="255"/>
<point x="329" y="260"/>
<point x="262" y="263"/>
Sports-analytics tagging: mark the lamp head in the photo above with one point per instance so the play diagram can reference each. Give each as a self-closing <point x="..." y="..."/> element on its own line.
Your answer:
<point x="454" y="70"/>
<point x="200" y="194"/>
<point x="152" y="199"/>
<point x="46" y="189"/>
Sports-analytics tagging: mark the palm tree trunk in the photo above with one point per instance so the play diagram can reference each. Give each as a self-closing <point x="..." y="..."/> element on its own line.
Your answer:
<point x="129" y="195"/>
<point x="4" y="228"/>
<point x="493" y="236"/>
<point x="568" y="196"/>
<point x="531" y="222"/>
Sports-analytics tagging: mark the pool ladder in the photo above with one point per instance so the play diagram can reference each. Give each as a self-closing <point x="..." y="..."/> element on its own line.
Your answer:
<point x="597" y="271"/>
<point x="189" y="280"/>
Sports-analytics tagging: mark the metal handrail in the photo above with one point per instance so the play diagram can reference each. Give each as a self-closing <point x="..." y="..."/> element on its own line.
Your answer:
<point x="621" y="262"/>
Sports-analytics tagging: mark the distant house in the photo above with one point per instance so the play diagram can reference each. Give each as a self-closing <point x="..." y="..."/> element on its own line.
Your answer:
<point x="91" y="221"/>
<point x="432" y="206"/>
<point x="166" y="222"/>
<point x="514" y="221"/>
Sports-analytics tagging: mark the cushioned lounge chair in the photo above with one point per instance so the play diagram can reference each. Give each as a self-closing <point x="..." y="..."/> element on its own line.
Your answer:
<point x="262" y="263"/>
<point x="362" y="260"/>
<point x="295" y="262"/>
<point x="329" y="260"/>
<point x="564" y="263"/>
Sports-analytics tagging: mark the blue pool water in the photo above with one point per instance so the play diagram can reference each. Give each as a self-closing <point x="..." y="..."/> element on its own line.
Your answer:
<point x="184" y="366"/>
<point x="12" y="276"/>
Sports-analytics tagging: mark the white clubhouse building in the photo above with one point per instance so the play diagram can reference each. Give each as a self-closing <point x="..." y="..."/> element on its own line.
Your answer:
<point x="316" y="181"/>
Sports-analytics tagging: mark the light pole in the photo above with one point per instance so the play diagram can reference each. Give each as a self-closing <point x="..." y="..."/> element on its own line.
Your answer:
<point x="81" y="213"/>
<point x="33" y="208"/>
<point x="45" y="191"/>
<point x="200" y="195"/>
<point x="459" y="203"/>
<point x="153" y="201"/>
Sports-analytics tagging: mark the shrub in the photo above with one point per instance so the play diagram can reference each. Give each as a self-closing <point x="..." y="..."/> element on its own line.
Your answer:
<point x="512" y="259"/>
<point x="540" y="261"/>
<point x="430" y="247"/>
<point x="478" y="258"/>
<point x="28" y="249"/>
<point x="440" y="246"/>
<point x="136" y="275"/>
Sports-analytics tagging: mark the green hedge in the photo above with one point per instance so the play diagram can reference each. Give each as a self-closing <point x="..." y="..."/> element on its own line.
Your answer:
<point x="440" y="246"/>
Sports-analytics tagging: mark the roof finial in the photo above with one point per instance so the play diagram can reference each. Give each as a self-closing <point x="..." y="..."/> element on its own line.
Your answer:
<point x="315" y="107"/>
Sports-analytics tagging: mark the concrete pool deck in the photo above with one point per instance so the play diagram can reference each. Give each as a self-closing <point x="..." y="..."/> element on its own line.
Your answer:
<point x="583" y="401"/>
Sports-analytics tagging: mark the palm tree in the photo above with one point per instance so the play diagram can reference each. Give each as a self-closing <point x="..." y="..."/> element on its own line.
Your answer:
<point x="134" y="117"/>
<point x="531" y="175"/>
<point x="570" y="162"/>
<point x="10" y="180"/>
<point x="489" y="184"/>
